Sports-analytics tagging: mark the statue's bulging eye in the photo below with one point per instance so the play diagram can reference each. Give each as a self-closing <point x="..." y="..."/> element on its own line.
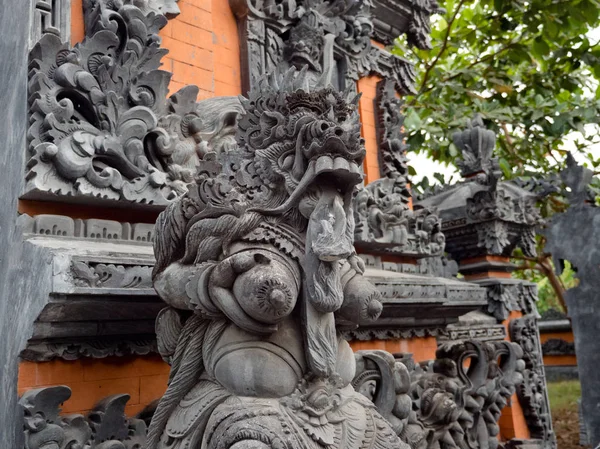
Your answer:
<point x="286" y="161"/>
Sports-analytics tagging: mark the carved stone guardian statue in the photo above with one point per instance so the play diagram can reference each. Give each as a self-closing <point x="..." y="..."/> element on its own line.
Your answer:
<point x="258" y="267"/>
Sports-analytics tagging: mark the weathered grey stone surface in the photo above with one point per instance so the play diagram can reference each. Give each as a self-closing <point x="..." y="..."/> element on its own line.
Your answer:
<point x="575" y="236"/>
<point x="533" y="391"/>
<point x="104" y="427"/>
<point x="19" y="262"/>
<point x="483" y="215"/>
<point x="50" y="17"/>
<point x="261" y="251"/>
<point x="454" y="406"/>
<point x="100" y="301"/>
<point x="393" y="18"/>
<point x="328" y="36"/>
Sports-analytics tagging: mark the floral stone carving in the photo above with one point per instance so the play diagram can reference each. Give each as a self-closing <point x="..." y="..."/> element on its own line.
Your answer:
<point x="384" y="222"/>
<point x="533" y="392"/>
<point x="101" y="125"/>
<point x="105" y="427"/>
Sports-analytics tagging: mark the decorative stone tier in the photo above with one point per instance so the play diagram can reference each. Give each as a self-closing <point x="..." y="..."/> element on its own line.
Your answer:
<point x="101" y="301"/>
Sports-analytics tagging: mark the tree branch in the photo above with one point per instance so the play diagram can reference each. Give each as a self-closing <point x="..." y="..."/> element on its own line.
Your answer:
<point x="444" y="45"/>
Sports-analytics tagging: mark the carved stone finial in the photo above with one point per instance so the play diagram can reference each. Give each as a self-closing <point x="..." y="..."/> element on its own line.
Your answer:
<point x="476" y="145"/>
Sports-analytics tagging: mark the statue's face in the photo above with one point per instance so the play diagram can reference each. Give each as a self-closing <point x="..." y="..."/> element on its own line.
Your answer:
<point x="304" y="46"/>
<point x="313" y="141"/>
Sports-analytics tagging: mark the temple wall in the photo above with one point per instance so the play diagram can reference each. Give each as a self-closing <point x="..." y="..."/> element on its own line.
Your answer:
<point x="204" y="50"/>
<point x="143" y="378"/>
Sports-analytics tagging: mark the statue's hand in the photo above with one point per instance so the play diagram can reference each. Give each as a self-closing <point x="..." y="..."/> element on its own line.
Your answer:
<point x="255" y="289"/>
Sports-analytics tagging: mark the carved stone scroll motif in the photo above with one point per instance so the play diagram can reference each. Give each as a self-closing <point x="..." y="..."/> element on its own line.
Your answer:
<point x="533" y="392"/>
<point x="101" y="125"/>
<point x="448" y="405"/>
<point x="332" y="37"/>
<point x="384" y="222"/>
<point x="106" y="426"/>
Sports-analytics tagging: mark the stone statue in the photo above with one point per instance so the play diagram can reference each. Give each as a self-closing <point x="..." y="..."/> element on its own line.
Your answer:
<point x="257" y="264"/>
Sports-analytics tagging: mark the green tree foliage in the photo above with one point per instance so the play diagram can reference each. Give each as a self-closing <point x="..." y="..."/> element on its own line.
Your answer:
<point x="532" y="70"/>
<point x="529" y="67"/>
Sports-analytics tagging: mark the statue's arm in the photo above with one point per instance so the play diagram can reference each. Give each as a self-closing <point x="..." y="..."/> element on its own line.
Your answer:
<point x="255" y="289"/>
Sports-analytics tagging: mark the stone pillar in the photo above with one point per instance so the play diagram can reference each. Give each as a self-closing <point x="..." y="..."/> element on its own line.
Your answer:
<point x="484" y="219"/>
<point x="19" y="262"/>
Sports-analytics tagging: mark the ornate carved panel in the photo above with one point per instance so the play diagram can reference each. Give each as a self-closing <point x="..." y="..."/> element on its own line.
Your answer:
<point x="532" y="393"/>
<point x="384" y="222"/>
<point x="106" y="426"/>
<point x="332" y="37"/>
<point x="483" y="215"/>
<point x="101" y="126"/>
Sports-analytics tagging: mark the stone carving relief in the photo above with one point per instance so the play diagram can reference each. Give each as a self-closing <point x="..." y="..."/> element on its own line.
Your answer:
<point x="448" y="405"/>
<point x="532" y="393"/>
<point x="101" y="125"/>
<point x="504" y="297"/>
<point x="50" y="17"/>
<point x="426" y="406"/>
<point x="105" y="427"/>
<point x="51" y="225"/>
<point x="384" y="222"/>
<point x="260" y="251"/>
<point x="392" y="18"/>
<point x="482" y="214"/>
<point x="558" y="346"/>
<point x="332" y="37"/>
<point x="43" y="352"/>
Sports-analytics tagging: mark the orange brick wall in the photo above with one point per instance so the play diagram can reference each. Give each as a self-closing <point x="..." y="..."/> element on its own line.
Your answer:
<point x="144" y="378"/>
<point x="512" y="422"/>
<point x="203" y="49"/>
<point x="562" y="360"/>
<point x="203" y="46"/>
<point x="367" y="86"/>
<point x="422" y="348"/>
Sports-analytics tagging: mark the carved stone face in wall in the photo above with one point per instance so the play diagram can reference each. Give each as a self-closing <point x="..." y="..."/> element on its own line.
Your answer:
<point x="305" y="44"/>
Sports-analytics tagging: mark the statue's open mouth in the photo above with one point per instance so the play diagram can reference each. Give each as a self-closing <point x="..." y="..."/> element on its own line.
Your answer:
<point x="337" y="171"/>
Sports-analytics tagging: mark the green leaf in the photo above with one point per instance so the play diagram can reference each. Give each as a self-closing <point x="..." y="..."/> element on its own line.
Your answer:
<point x="505" y="167"/>
<point x="412" y="121"/>
<point x="540" y="47"/>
